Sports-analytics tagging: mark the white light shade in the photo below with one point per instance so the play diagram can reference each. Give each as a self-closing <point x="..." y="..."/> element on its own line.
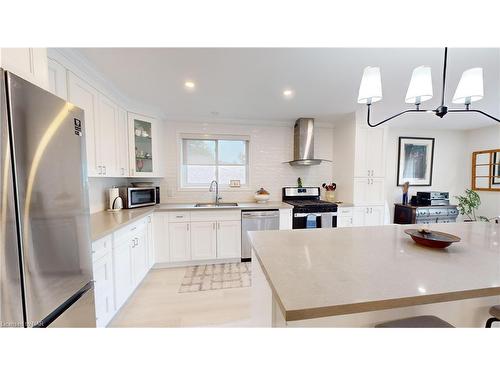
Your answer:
<point x="370" y="90"/>
<point x="420" y="88"/>
<point x="470" y="87"/>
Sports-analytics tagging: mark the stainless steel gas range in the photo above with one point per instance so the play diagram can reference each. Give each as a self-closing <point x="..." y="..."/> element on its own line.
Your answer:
<point x="309" y="211"/>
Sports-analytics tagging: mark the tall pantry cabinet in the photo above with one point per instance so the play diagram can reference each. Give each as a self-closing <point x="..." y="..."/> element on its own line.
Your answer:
<point x="359" y="156"/>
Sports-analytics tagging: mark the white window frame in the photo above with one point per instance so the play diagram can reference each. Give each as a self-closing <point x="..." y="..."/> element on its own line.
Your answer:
<point x="182" y="185"/>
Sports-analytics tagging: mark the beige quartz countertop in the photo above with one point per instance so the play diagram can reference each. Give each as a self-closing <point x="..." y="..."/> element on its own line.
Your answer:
<point x="324" y="272"/>
<point x="104" y="222"/>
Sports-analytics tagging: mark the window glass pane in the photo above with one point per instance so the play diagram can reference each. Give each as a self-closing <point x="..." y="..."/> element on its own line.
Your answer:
<point x="232" y="152"/>
<point x="482" y="158"/>
<point x="199" y="174"/>
<point x="482" y="182"/>
<point x="227" y="173"/>
<point x="199" y="152"/>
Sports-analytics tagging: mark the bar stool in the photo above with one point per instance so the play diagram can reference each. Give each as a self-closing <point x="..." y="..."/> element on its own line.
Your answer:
<point x="495" y="312"/>
<point x="422" y="321"/>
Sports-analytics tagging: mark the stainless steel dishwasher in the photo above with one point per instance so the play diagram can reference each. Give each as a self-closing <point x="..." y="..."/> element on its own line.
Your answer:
<point x="254" y="221"/>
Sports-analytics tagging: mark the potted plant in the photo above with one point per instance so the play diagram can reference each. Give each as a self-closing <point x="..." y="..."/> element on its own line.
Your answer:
<point x="468" y="204"/>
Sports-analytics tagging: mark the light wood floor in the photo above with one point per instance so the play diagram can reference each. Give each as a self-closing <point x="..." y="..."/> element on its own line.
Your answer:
<point x="157" y="303"/>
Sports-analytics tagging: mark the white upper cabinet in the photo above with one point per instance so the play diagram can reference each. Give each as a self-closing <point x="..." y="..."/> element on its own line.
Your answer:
<point x="28" y="63"/>
<point x="106" y="140"/>
<point x="58" y="79"/>
<point x="143" y="145"/>
<point x="369" y="153"/>
<point x="86" y="97"/>
<point x="122" y="150"/>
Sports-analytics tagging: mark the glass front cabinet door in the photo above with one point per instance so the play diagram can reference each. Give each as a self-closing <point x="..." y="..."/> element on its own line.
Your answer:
<point x="142" y="133"/>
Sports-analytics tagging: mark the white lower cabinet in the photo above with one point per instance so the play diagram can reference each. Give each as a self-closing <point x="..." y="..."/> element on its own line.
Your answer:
<point x="103" y="281"/>
<point x="122" y="262"/>
<point x="183" y="236"/>
<point x="161" y="237"/>
<point x="203" y="240"/>
<point x="150" y="241"/>
<point x="229" y="239"/>
<point x="368" y="216"/>
<point x="139" y="254"/>
<point x="344" y="221"/>
<point x="345" y="217"/>
<point x="179" y="241"/>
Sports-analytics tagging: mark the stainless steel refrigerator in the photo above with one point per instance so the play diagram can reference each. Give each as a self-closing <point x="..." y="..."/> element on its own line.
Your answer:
<point x="45" y="250"/>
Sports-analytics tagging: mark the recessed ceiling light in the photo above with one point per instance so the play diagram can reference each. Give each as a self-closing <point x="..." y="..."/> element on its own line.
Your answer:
<point x="189" y="84"/>
<point x="287" y="93"/>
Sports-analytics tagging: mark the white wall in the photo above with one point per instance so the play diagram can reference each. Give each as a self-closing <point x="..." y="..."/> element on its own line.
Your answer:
<point x="98" y="188"/>
<point x="449" y="167"/>
<point x="483" y="139"/>
<point x="270" y="146"/>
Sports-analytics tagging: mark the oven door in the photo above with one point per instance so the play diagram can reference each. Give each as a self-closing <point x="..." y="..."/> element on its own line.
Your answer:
<point x="139" y="197"/>
<point x="300" y="220"/>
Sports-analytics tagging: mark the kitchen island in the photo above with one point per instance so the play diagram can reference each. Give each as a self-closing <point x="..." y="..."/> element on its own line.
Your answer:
<point x="361" y="276"/>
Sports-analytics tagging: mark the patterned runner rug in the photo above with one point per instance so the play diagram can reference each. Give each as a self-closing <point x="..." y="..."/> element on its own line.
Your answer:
<point x="217" y="276"/>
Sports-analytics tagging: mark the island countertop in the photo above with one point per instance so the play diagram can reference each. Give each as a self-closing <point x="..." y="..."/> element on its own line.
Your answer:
<point x="326" y="272"/>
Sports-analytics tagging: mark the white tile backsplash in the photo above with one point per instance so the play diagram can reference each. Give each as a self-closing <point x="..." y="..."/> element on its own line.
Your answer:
<point x="270" y="147"/>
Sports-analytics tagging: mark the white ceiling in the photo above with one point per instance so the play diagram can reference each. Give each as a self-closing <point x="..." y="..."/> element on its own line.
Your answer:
<point x="247" y="83"/>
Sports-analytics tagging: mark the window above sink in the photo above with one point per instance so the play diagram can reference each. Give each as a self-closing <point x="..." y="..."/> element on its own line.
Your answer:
<point x="205" y="158"/>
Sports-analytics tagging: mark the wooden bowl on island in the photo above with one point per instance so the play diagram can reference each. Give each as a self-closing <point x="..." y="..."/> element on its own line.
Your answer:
<point x="434" y="239"/>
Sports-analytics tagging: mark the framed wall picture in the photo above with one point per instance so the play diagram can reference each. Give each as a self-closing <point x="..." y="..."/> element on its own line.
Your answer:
<point x="415" y="159"/>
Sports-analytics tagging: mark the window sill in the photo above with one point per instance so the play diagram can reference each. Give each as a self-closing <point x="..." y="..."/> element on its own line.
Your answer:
<point x="221" y="189"/>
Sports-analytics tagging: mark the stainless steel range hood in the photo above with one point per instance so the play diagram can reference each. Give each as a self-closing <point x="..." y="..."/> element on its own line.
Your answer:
<point x="303" y="143"/>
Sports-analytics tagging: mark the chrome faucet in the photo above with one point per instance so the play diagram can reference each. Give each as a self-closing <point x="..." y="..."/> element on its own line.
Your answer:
<point x="211" y="189"/>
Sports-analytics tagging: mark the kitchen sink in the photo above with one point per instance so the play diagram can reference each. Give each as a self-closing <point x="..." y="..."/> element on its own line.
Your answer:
<point x="208" y="205"/>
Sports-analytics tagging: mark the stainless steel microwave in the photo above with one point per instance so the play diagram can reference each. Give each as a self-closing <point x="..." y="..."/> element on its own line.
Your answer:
<point x="134" y="197"/>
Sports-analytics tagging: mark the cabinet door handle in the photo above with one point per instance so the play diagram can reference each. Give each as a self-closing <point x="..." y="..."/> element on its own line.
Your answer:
<point x="368" y="173"/>
<point x="187" y="227"/>
<point x="104" y="167"/>
<point x="99" y="169"/>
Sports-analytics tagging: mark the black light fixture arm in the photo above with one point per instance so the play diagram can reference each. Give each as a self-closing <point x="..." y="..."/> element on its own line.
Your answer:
<point x="440" y="111"/>
<point x="473" y="110"/>
<point x="390" y="118"/>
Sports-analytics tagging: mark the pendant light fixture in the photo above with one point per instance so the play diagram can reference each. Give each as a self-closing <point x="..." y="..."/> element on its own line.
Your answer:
<point x="469" y="90"/>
